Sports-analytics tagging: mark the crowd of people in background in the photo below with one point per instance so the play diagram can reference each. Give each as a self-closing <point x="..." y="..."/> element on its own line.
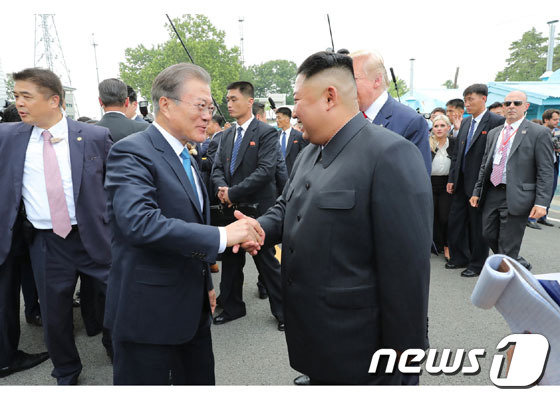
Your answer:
<point x="128" y="205"/>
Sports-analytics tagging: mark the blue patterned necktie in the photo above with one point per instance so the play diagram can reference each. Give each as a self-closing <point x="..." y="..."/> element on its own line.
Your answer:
<point x="187" y="166"/>
<point x="470" y="135"/>
<point x="236" y="147"/>
<point x="284" y="143"/>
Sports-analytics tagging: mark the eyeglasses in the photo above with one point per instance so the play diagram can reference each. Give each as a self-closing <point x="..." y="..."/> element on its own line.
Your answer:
<point x="201" y="107"/>
<point x="516" y="103"/>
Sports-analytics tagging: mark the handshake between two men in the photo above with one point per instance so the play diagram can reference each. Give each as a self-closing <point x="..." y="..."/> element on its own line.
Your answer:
<point x="245" y="233"/>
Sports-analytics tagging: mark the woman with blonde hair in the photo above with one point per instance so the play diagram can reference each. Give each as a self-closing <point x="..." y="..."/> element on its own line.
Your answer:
<point x="441" y="145"/>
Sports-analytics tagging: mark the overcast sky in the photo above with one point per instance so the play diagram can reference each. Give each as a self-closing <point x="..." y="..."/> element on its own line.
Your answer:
<point x="440" y="35"/>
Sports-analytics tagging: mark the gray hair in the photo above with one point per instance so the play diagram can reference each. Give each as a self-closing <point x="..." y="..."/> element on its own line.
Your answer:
<point x="170" y="81"/>
<point x="113" y="92"/>
<point x="373" y="65"/>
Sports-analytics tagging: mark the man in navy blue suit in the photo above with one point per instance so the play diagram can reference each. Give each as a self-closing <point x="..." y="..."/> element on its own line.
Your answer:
<point x="160" y="295"/>
<point x="54" y="179"/>
<point x="380" y="108"/>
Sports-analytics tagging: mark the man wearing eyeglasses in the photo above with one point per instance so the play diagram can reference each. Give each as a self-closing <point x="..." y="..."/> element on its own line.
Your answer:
<point x="515" y="179"/>
<point x="160" y="295"/>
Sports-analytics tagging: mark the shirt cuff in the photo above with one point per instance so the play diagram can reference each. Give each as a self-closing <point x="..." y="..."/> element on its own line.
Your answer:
<point x="536" y="205"/>
<point x="223" y="239"/>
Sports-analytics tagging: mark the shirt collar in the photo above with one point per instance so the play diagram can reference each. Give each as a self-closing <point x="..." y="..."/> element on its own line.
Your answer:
<point x="373" y="110"/>
<point x="479" y="118"/>
<point x="288" y="131"/>
<point x="175" y="144"/>
<point x="246" y="124"/>
<point x="116" y="112"/>
<point x="58" y="130"/>
<point x="515" y="125"/>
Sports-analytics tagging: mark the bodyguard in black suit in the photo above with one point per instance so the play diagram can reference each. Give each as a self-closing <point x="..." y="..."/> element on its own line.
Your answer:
<point x="56" y="167"/>
<point x="358" y="204"/>
<point x="160" y="294"/>
<point x="244" y="172"/>
<point x="291" y="140"/>
<point x="113" y="97"/>
<point x="467" y="247"/>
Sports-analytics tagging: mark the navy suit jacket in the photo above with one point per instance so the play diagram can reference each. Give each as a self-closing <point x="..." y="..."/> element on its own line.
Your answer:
<point x="89" y="146"/>
<point x="408" y="123"/>
<point x="161" y="243"/>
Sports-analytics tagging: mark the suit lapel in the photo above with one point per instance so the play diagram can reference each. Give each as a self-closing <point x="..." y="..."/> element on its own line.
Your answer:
<point x="21" y="140"/>
<point x="492" y="151"/>
<point x="383" y="117"/>
<point x="205" y="201"/>
<point x="227" y="141"/>
<point x="76" y="144"/>
<point x="247" y="137"/>
<point x="290" y="140"/>
<point x="478" y="129"/>
<point x="519" y="136"/>
<point x="172" y="159"/>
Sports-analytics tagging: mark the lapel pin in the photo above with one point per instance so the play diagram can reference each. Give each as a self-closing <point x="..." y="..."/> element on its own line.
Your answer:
<point x="524" y="131"/>
<point x="252" y="144"/>
<point x="79" y="138"/>
<point x="484" y="132"/>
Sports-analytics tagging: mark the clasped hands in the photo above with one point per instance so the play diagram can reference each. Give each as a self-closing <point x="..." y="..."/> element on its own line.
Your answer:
<point x="245" y="233"/>
<point x="223" y="195"/>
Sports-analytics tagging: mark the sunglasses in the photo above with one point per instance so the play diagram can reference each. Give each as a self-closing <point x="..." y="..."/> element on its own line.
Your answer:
<point x="516" y="103"/>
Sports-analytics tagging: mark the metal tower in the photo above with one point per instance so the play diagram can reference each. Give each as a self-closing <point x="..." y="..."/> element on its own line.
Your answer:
<point x="241" y="47"/>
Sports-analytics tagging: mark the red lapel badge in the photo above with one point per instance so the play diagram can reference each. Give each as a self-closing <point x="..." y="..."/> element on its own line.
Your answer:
<point x="252" y="144"/>
<point x="295" y="141"/>
<point x="484" y="132"/>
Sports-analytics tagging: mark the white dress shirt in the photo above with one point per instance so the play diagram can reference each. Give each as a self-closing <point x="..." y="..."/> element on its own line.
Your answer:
<point x="288" y="131"/>
<point x="243" y="127"/>
<point x="373" y="110"/>
<point x="441" y="163"/>
<point x="515" y="127"/>
<point x="34" y="190"/>
<point x="178" y="148"/>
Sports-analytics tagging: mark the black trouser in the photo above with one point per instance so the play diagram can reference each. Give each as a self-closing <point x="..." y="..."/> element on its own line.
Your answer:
<point x="56" y="264"/>
<point x="231" y="285"/>
<point x="442" y="204"/>
<point x="466" y="243"/>
<point x="190" y="363"/>
<point x="503" y="231"/>
<point x="9" y="309"/>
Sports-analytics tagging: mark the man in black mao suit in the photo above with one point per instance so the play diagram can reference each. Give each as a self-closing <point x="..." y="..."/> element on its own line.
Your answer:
<point x="160" y="294"/>
<point x="291" y="140"/>
<point x="515" y="179"/>
<point x="244" y="172"/>
<point x="113" y="97"/>
<point x="359" y="204"/>
<point x="56" y="170"/>
<point x="467" y="247"/>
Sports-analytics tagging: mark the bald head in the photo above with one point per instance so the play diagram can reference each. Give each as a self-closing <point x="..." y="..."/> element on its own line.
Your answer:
<point x="371" y="76"/>
<point x="325" y="95"/>
<point x="515" y="105"/>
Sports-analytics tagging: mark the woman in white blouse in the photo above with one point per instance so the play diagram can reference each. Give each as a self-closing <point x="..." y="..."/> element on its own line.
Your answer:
<point x="441" y="145"/>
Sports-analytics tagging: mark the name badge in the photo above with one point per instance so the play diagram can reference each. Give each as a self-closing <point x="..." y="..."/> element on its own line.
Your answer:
<point x="497" y="158"/>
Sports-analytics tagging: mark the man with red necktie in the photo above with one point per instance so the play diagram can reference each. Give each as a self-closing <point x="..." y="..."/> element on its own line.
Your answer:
<point x="54" y="188"/>
<point x="515" y="179"/>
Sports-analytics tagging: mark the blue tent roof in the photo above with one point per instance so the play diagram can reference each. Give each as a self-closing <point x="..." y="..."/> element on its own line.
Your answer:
<point x="428" y="99"/>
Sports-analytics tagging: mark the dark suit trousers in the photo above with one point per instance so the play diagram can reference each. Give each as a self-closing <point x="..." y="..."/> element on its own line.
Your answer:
<point x="466" y="243"/>
<point x="503" y="231"/>
<point x="442" y="204"/>
<point x="56" y="264"/>
<point x="9" y="309"/>
<point x="231" y="285"/>
<point x="190" y="363"/>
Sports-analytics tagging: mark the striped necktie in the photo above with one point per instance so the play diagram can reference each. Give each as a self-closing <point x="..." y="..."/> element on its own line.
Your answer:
<point x="236" y="147"/>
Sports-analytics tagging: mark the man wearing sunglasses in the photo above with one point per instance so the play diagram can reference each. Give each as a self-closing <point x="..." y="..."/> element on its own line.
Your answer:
<point x="515" y="179"/>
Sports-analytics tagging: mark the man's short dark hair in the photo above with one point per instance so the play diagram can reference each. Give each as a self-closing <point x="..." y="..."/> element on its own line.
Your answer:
<point x="219" y="120"/>
<point x="47" y="81"/>
<point x="258" y="108"/>
<point x="343" y="51"/>
<point x="112" y="92"/>
<point x="456" y="103"/>
<point x="132" y="97"/>
<point x="547" y="114"/>
<point x="246" y="88"/>
<point x="10" y="114"/>
<point x="477" y="88"/>
<point x="438" y="109"/>
<point x="83" y="119"/>
<point x="324" y="60"/>
<point x="494" y="105"/>
<point x="284" y="110"/>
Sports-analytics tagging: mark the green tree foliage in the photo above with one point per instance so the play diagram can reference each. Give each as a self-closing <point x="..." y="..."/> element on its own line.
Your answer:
<point x="205" y="44"/>
<point x="448" y="84"/>
<point x="9" y="82"/>
<point x="527" y="60"/>
<point x="276" y="76"/>
<point x="401" y="85"/>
